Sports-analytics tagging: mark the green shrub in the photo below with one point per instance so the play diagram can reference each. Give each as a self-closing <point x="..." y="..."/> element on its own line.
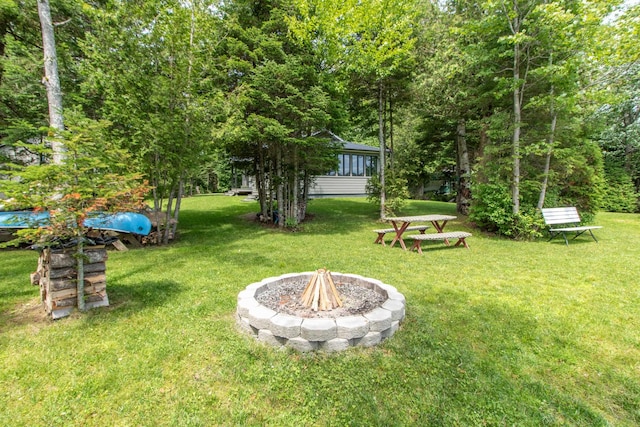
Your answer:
<point x="492" y="211"/>
<point x="619" y="192"/>
<point x="397" y="193"/>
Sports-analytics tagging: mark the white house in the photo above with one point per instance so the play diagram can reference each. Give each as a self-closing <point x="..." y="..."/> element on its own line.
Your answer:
<point x="356" y="164"/>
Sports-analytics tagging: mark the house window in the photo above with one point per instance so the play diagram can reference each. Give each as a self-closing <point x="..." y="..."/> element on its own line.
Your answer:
<point x="344" y="164"/>
<point x="371" y="165"/>
<point x="358" y="165"/>
<point x="355" y="165"/>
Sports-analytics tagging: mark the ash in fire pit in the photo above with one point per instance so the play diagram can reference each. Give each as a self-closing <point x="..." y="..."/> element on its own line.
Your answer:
<point x="273" y="311"/>
<point x="287" y="299"/>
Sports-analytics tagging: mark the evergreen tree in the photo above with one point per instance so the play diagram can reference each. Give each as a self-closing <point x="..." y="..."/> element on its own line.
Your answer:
<point x="278" y="99"/>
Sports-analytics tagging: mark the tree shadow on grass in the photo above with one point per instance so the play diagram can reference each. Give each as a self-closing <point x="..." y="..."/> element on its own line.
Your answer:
<point x="124" y="300"/>
<point x="582" y="240"/>
<point x="127" y="299"/>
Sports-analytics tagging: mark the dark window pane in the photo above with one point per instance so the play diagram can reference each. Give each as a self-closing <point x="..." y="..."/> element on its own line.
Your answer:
<point x="358" y="165"/>
<point x="371" y="163"/>
<point x="344" y="169"/>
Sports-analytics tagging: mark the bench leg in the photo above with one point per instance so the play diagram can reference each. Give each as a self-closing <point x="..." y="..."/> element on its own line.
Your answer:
<point x="380" y="239"/>
<point x="579" y="233"/>
<point x="416" y="245"/>
<point x="462" y="241"/>
<point x="553" y="234"/>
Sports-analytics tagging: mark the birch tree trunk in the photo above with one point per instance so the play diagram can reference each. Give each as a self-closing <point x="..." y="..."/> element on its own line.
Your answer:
<point x="463" y="199"/>
<point x="547" y="162"/>
<point x="383" y="193"/>
<point x="167" y="215"/>
<point x="176" y="211"/>
<point x="517" y="123"/>
<point x="51" y="80"/>
<point x="547" y="168"/>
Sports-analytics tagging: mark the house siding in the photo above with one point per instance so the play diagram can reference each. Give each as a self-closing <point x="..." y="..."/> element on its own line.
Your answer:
<point x="328" y="186"/>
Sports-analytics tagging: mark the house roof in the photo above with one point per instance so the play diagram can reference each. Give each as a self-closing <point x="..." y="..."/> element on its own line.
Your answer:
<point x="346" y="144"/>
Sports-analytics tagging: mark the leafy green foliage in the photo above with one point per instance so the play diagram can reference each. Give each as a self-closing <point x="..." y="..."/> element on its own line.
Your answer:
<point x="396" y="191"/>
<point x="149" y="72"/>
<point x="493" y="212"/>
<point x="619" y="192"/>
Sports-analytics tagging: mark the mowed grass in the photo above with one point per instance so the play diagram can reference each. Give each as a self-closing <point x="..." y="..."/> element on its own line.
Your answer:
<point x="506" y="333"/>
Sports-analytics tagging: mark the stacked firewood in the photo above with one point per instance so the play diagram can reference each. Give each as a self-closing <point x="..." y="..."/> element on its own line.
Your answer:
<point x="321" y="293"/>
<point x="57" y="277"/>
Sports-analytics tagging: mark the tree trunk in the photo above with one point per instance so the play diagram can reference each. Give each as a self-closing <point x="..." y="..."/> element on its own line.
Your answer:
<point x="517" y="122"/>
<point x="391" y="151"/>
<point x="4" y="27"/>
<point x="51" y="80"/>
<point x="545" y="174"/>
<point x="261" y="184"/>
<point x="383" y="150"/>
<point x="282" y="203"/>
<point x="167" y="216"/>
<point x="296" y="187"/>
<point x="176" y="211"/>
<point x="547" y="162"/>
<point x="463" y="198"/>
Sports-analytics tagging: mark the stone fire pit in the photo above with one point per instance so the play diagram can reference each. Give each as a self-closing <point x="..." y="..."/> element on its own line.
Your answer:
<point x="357" y="324"/>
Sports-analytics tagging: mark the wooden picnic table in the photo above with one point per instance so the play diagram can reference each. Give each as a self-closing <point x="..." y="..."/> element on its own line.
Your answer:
<point x="401" y="223"/>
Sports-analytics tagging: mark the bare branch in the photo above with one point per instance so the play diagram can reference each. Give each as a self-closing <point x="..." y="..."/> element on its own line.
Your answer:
<point x="59" y="24"/>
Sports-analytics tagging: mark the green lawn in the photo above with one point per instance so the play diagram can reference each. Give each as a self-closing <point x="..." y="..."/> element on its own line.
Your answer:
<point x="506" y="333"/>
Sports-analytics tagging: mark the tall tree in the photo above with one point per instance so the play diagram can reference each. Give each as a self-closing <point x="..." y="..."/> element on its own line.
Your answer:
<point x="52" y="80"/>
<point x="618" y="87"/>
<point x="453" y="91"/>
<point x="23" y="96"/>
<point x="372" y="43"/>
<point x="151" y="73"/>
<point x="279" y="99"/>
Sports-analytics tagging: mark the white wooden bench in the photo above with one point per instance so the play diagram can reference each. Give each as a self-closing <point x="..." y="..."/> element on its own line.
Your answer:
<point x="382" y="232"/>
<point x="569" y="217"/>
<point x="419" y="238"/>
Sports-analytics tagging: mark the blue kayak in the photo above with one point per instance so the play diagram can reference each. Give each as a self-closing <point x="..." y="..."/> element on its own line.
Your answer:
<point x="124" y="222"/>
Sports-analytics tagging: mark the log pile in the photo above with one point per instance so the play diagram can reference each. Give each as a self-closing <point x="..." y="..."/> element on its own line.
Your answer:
<point x="321" y="293"/>
<point x="57" y="277"/>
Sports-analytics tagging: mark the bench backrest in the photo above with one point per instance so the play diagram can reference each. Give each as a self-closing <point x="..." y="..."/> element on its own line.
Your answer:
<point x="568" y="215"/>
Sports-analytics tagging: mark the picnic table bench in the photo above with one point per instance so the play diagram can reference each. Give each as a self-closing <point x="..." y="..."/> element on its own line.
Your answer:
<point x="445" y="236"/>
<point x="566" y="216"/>
<point x="382" y="232"/>
<point x="403" y="223"/>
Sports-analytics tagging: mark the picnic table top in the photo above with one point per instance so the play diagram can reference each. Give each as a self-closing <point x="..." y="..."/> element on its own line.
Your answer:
<point x="418" y="218"/>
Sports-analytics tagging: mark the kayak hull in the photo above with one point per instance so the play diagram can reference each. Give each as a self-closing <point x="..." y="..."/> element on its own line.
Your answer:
<point x="123" y="222"/>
